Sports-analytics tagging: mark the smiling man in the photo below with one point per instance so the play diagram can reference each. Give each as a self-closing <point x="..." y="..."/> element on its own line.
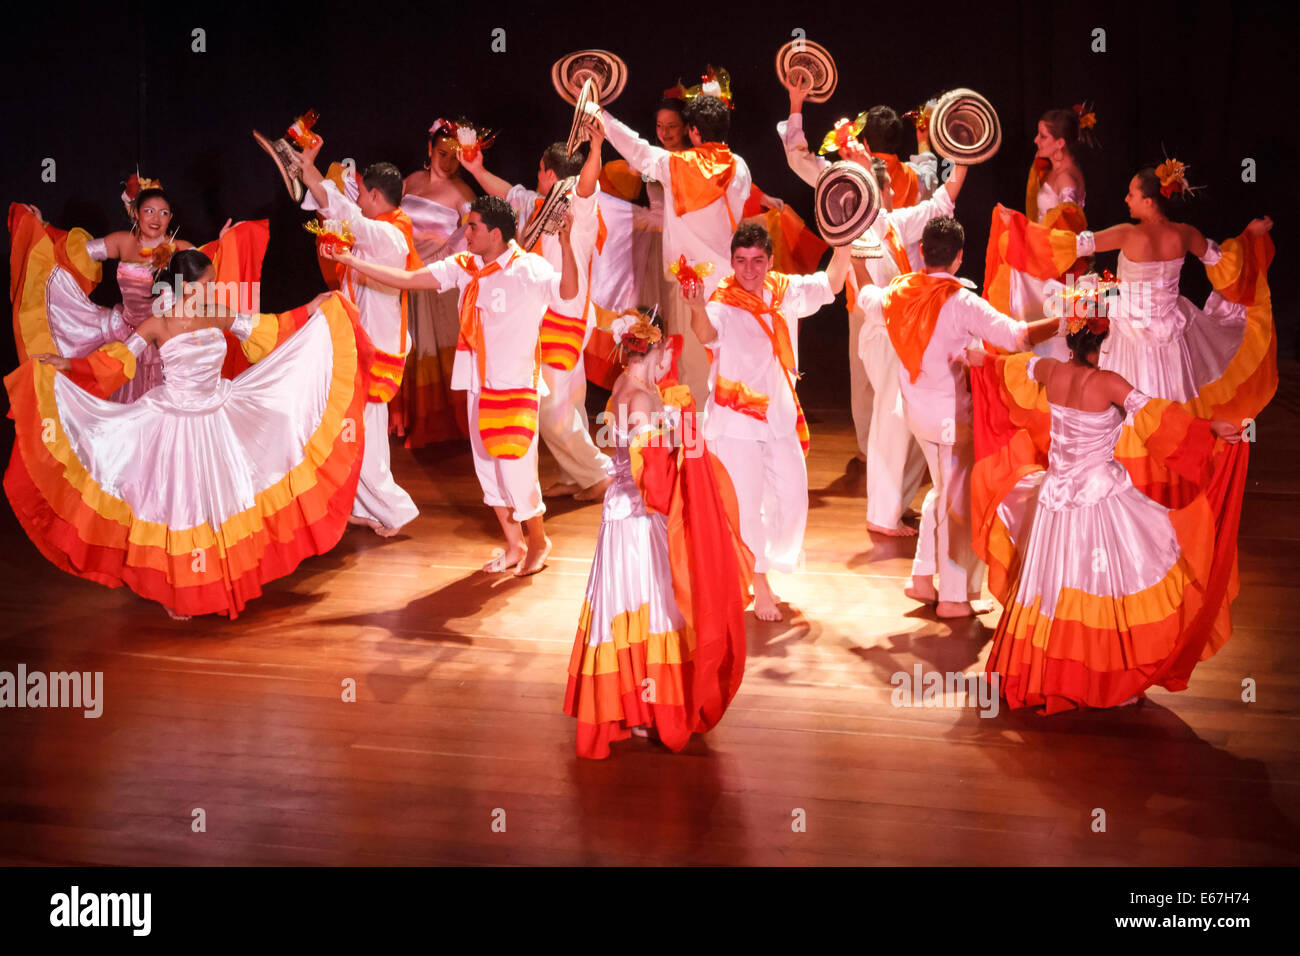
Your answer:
<point x="504" y="293"/>
<point x="755" y="424"/>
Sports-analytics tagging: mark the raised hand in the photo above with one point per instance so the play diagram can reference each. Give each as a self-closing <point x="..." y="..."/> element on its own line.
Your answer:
<point x="1258" y="227"/>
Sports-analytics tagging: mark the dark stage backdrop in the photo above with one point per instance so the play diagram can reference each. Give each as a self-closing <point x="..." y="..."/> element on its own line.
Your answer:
<point x="100" y="90"/>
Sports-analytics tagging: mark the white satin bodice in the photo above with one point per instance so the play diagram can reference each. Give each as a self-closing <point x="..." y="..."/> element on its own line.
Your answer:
<point x="1147" y="306"/>
<point x="1049" y="198"/>
<point x="191" y="370"/>
<point x="1081" y="466"/>
<point x="435" y="227"/>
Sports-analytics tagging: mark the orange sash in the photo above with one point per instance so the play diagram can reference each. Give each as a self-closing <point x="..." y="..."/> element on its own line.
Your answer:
<point x="903" y="181"/>
<point x="911" y="306"/>
<point x="897" y="250"/>
<point x="507" y="417"/>
<point x="387" y="368"/>
<point x="700" y="176"/>
<point x="729" y="292"/>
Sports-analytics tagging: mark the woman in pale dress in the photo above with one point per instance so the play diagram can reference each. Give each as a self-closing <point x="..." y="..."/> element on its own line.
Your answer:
<point x="436" y="198"/>
<point x="1110" y="592"/>
<point x="1162" y="343"/>
<point x="205" y="488"/>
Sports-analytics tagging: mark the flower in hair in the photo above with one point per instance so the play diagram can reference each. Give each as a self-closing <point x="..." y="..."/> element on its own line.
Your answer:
<point x="635" y="331"/>
<point x="1087" y="118"/>
<point x="1172" y="174"/>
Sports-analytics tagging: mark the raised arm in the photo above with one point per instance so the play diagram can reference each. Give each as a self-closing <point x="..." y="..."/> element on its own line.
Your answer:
<point x="569" y="265"/>
<point x="590" y="175"/>
<point x="492" y="184"/>
<point x="388" y="275"/>
<point x="838" y="269"/>
<point x="640" y="155"/>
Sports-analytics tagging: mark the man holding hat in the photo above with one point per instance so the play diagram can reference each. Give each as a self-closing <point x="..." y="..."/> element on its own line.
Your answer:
<point x="755" y="424"/>
<point x="562" y="419"/>
<point x="383" y="236"/>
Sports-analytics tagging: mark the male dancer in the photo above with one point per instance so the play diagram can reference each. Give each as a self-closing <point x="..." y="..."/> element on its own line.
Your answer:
<point x="585" y="470"/>
<point x="504" y="294"/>
<point x="705" y="188"/>
<point x="755" y="424"/>
<point x="383" y="236"/>
<point x="931" y="319"/>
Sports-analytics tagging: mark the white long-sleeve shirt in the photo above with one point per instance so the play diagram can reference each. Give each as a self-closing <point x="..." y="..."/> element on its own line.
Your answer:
<point x="939" y="399"/>
<point x="807" y="165"/>
<point x="703" y="235"/>
<point x="381" y="243"/>
<point x="582" y="236"/>
<point x="742" y="352"/>
<point x="511" y="305"/>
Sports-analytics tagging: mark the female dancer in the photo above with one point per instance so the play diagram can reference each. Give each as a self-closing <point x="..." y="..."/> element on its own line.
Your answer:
<point x="204" y="489"/>
<point x="436" y="198"/>
<point x="660" y="646"/>
<point x="51" y="306"/>
<point x="1220" y="359"/>
<point x="1111" y="592"/>
<point x="1017" y="281"/>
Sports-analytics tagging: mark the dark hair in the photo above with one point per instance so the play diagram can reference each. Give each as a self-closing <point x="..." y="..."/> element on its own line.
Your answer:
<point x="751" y="235"/>
<point x="884" y="130"/>
<point x="1149" y="185"/>
<point x="1084" y="342"/>
<point x="672" y="103"/>
<point x="186" y="265"/>
<point x="710" y="115"/>
<point x="151" y="193"/>
<point x="496" y="213"/>
<point x="385" y="177"/>
<point x="1063" y="124"/>
<point x="941" y="241"/>
<point x="556" y="158"/>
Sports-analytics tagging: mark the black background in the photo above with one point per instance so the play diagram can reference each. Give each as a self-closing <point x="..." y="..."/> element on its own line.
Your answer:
<point x="100" y="90"/>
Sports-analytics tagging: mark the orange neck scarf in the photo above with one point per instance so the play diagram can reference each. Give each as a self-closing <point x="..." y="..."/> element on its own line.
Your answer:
<point x="700" y="176"/>
<point x="911" y="307"/>
<point x="402" y="221"/>
<point x="902" y="181"/>
<point x="470" y="338"/>
<point x="729" y="292"/>
<point x="896" y="249"/>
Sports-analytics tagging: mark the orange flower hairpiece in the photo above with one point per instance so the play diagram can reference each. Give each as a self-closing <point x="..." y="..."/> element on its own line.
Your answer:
<point x="1172" y="174"/>
<point x="636" y="331"/>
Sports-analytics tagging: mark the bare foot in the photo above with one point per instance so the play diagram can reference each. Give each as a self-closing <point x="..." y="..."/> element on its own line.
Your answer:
<point x="384" y="531"/>
<point x="533" y="561"/>
<point x="978" y="606"/>
<point x="595" y="493"/>
<point x="1135" y="699"/>
<point x="954" y="609"/>
<point x="922" y="589"/>
<point x="503" y="560"/>
<point x="174" y="615"/>
<point x="902" y="531"/>
<point x="561" y="489"/>
<point x="641" y="730"/>
<point x="765" y="599"/>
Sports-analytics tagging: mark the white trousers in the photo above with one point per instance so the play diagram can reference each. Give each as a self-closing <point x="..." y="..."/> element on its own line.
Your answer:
<point x="861" y="388"/>
<point x="563" y="423"/>
<point x="771" y="482"/>
<point x="895" y="464"/>
<point x="506" y="482"/>
<point x="943" y="545"/>
<point x="379" y="497"/>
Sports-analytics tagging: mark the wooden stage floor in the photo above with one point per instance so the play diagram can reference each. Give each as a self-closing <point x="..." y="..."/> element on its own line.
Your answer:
<point x="460" y="679"/>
